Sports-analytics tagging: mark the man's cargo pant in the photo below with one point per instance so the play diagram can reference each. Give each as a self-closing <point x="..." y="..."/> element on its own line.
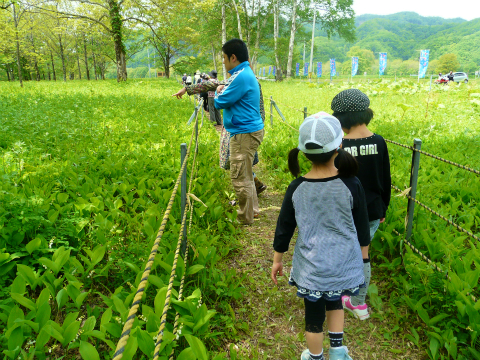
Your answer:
<point x="242" y="151"/>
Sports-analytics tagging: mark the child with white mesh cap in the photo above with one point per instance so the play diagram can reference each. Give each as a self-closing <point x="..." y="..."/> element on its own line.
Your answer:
<point x="328" y="206"/>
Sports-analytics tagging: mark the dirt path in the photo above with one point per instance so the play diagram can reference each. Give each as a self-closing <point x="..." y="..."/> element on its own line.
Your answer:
<point x="272" y="319"/>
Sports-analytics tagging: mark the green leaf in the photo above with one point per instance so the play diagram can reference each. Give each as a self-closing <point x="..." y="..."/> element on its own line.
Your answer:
<point x="197" y="346"/>
<point x="62" y="298"/>
<point x="80" y="298"/>
<point x="50" y="330"/>
<point x="88" y="351"/>
<point x="187" y="354"/>
<point x="70" y="332"/>
<point x="15" y="313"/>
<point x="434" y="346"/>
<point x="119" y="306"/>
<point x="145" y="343"/>
<point x="49" y="264"/>
<point x="62" y="197"/>
<point x="194" y="269"/>
<point x="33" y="245"/>
<point x="18" y="285"/>
<point x="15" y="339"/>
<point x="42" y="339"/>
<point x="29" y="304"/>
<point x="28" y="274"/>
<point x="437" y="318"/>
<point x="118" y="203"/>
<point x="160" y="301"/>
<point x="52" y="216"/>
<point x="89" y="324"/>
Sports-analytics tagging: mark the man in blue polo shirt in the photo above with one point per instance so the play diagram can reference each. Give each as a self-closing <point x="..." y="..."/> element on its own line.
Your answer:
<point x="240" y="101"/>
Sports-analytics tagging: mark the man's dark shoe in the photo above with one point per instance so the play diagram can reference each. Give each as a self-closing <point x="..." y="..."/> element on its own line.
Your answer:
<point x="259" y="186"/>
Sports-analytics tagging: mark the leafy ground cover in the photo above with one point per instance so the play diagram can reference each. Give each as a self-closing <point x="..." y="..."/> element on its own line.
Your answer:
<point x="87" y="171"/>
<point x="88" y="168"/>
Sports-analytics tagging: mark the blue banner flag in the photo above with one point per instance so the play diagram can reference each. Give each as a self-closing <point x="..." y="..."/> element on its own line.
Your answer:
<point x="319" y="69"/>
<point x="383" y="63"/>
<point x="333" y="67"/>
<point x="297" y="69"/>
<point x="274" y="70"/>
<point x="354" y="66"/>
<point x="305" y="69"/>
<point x="269" y="70"/>
<point x="264" y="71"/>
<point x="424" y="55"/>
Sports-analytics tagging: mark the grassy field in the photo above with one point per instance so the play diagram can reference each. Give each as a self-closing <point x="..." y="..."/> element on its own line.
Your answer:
<point x="87" y="171"/>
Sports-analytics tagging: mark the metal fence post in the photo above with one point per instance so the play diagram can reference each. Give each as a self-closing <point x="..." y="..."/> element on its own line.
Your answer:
<point x="183" y="152"/>
<point x="417" y="144"/>
<point x="305" y="113"/>
<point x="271" y="110"/>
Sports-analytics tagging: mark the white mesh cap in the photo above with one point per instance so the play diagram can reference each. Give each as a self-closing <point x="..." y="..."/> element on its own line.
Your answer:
<point x="322" y="129"/>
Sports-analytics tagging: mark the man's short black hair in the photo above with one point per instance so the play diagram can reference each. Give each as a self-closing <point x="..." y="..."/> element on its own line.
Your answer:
<point x="354" y="118"/>
<point x="237" y="47"/>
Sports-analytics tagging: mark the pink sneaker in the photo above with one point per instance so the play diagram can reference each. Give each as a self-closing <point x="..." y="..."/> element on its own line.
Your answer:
<point x="360" y="311"/>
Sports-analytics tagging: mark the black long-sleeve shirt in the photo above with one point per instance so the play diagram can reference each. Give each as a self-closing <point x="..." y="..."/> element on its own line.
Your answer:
<point x="374" y="172"/>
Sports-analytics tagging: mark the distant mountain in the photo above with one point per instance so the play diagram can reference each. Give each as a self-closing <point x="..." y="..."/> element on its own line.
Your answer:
<point x="401" y="35"/>
<point x="408" y="17"/>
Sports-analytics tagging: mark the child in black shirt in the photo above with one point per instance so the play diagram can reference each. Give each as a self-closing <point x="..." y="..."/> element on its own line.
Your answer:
<point x="351" y="107"/>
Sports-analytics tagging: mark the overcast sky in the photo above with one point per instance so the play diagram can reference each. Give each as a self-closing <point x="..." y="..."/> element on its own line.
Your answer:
<point x="465" y="9"/>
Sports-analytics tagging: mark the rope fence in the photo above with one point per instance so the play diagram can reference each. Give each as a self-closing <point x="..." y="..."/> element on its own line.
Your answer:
<point x="408" y="196"/>
<point x="430" y="262"/>
<point x="435" y="157"/>
<point x="148" y="266"/>
<point x="458" y="227"/>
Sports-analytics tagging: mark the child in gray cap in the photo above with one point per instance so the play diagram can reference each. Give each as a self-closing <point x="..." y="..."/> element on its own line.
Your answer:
<point x="328" y="206"/>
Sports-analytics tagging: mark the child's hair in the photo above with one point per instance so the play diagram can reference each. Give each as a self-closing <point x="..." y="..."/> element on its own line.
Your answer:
<point x="346" y="163"/>
<point x="353" y="118"/>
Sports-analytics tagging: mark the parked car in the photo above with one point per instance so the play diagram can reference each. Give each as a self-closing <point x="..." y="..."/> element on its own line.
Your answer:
<point x="460" y="76"/>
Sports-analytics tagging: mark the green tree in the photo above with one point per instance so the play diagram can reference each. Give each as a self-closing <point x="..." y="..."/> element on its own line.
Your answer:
<point x="447" y="63"/>
<point x="366" y="58"/>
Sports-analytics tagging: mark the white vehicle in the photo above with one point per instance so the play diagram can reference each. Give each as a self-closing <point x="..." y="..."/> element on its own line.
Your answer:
<point x="460" y="76"/>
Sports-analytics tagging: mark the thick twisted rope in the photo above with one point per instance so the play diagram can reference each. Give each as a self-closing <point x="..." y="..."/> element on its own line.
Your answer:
<point x="430" y="262"/>
<point x="458" y="227"/>
<point x="182" y="282"/>
<point x="166" y="306"/>
<point x="436" y="157"/>
<point x="163" y="319"/>
<point x="148" y="266"/>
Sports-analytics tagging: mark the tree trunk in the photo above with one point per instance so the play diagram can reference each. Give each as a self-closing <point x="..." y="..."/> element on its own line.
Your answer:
<point x="35" y="62"/>
<point x="167" y="64"/>
<point x="86" y="58"/>
<point x="18" y="46"/>
<point x="247" y="24"/>
<point x="94" y="62"/>
<point x="260" y="26"/>
<point x="48" y="72"/>
<point x="78" y="61"/>
<point x="214" y="58"/>
<point x="239" y="23"/>
<point x="224" y="38"/>
<point x="276" y="25"/>
<point x="62" y="56"/>
<point x="53" y="68"/>
<point x="7" y="69"/>
<point x="292" y="39"/>
<point x="116" y="23"/>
